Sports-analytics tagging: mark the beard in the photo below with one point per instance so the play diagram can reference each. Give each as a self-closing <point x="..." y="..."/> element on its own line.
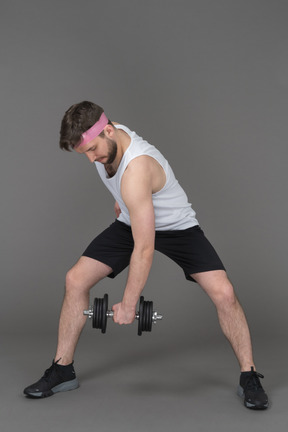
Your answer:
<point x="112" y="151"/>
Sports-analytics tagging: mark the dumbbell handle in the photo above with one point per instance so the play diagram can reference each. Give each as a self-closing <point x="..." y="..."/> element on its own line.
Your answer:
<point x="110" y="314"/>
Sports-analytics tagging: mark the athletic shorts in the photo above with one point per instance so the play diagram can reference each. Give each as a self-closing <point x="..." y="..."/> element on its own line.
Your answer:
<point x="189" y="248"/>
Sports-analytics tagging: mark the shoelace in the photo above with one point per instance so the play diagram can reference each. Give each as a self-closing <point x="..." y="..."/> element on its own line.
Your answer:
<point x="253" y="381"/>
<point x="48" y="373"/>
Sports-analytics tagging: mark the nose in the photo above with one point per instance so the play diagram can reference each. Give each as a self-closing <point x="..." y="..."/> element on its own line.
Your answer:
<point x="91" y="156"/>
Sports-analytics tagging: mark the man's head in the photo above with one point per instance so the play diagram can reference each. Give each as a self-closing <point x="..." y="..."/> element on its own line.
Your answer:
<point x="78" y="119"/>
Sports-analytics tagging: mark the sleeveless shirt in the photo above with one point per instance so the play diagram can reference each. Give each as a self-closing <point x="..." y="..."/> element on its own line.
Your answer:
<point x="171" y="207"/>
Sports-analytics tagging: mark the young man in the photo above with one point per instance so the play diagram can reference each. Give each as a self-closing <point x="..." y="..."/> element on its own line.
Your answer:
<point x="152" y="213"/>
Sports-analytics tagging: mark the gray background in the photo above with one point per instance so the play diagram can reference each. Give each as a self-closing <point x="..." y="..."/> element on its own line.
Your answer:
<point x="207" y="83"/>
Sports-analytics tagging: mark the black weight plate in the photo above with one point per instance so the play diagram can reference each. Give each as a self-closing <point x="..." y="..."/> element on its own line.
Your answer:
<point x="100" y="301"/>
<point x="151" y="315"/>
<point x="97" y="313"/>
<point x="94" y="313"/>
<point x="140" y="321"/>
<point x="148" y="317"/>
<point x="104" y="313"/>
<point x="145" y="315"/>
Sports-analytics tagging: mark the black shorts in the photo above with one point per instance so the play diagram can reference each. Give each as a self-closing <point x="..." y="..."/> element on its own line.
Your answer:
<point x="189" y="248"/>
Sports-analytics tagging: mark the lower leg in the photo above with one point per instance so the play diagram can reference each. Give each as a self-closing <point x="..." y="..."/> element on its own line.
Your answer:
<point x="234" y="326"/>
<point x="230" y="313"/>
<point x="80" y="279"/>
<point x="71" y="324"/>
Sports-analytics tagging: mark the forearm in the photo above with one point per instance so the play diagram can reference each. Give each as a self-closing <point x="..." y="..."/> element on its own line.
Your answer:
<point x="139" y="268"/>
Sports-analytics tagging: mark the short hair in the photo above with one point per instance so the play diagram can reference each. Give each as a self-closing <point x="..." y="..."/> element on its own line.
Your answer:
<point x="77" y="120"/>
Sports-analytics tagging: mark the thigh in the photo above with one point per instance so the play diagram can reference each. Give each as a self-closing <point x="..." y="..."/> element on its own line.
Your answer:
<point x="86" y="273"/>
<point x="215" y="283"/>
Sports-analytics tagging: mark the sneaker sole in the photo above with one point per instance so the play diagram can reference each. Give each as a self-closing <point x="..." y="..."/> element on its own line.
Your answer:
<point x="240" y="393"/>
<point x="66" y="386"/>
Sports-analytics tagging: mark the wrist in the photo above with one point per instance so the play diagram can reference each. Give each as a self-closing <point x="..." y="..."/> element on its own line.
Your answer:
<point x="129" y="303"/>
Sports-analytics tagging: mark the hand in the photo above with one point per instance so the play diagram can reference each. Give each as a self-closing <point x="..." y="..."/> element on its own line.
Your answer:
<point x="117" y="209"/>
<point x="123" y="315"/>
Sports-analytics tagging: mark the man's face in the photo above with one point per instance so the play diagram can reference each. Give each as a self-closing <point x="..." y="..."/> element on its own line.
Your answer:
<point x="103" y="150"/>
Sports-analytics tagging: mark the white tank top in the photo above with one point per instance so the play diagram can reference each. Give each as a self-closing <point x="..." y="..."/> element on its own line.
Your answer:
<point x="171" y="207"/>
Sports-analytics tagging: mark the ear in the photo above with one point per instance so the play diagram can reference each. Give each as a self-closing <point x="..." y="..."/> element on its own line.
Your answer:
<point x="109" y="131"/>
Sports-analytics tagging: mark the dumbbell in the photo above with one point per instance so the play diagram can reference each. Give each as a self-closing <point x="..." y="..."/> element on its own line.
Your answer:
<point x="100" y="312"/>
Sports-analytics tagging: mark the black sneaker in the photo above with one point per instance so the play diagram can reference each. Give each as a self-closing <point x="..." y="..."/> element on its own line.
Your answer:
<point x="55" y="379"/>
<point x="251" y="390"/>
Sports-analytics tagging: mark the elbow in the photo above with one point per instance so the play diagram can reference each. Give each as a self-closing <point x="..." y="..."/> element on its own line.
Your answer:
<point x="145" y="252"/>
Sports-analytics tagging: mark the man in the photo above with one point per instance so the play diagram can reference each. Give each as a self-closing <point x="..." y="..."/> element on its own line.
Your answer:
<point x="152" y="213"/>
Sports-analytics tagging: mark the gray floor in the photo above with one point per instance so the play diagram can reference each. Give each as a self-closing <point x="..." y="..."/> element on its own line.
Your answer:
<point x="155" y="382"/>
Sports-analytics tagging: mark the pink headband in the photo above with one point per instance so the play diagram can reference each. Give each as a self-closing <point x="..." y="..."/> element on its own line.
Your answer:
<point x="95" y="130"/>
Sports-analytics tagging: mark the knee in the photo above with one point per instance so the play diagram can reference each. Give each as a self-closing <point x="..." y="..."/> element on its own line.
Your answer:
<point x="224" y="296"/>
<point x="72" y="281"/>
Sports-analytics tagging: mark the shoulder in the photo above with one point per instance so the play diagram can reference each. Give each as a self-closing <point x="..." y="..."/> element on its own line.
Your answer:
<point x="143" y="172"/>
<point x="137" y="173"/>
<point x="140" y="164"/>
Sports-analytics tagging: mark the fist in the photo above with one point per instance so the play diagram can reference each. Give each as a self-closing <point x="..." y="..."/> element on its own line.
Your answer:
<point x="123" y="315"/>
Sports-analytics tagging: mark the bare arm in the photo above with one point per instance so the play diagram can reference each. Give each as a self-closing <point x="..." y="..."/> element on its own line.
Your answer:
<point x="117" y="209"/>
<point x="136" y="190"/>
